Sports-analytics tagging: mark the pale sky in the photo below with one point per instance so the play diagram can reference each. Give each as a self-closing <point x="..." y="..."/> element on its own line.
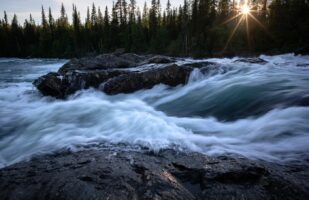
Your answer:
<point x="23" y="8"/>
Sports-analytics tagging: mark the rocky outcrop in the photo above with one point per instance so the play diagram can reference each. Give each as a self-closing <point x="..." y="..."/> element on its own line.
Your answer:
<point x="50" y="84"/>
<point x="160" y="60"/>
<point x="129" y="174"/>
<point x="171" y="75"/>
<point x="102" y="62"/>
<point x="58" y="85"/>
<point x="114" y="74"/>
<point x="122" y="73"/>
<point x="252" y="60"/>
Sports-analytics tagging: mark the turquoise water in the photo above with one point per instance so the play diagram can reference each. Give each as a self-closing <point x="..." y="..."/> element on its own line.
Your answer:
<point x="258" y="111"/>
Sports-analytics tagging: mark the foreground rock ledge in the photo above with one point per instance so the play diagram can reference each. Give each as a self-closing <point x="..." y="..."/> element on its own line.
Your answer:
<point x="121" y="73"/>
<point x="109" y="174"/>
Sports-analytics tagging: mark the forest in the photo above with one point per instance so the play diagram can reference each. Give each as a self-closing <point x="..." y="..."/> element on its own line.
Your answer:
<point x="195" y="28"/>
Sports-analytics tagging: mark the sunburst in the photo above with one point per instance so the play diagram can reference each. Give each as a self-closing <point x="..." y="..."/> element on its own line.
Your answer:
<point x="244" y="12"/>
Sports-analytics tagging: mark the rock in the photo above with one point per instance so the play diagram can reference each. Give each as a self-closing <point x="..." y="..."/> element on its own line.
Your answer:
<point x="171" y="75"/>
<point x="123" y="73"/>
<point x="102" y="62"/>
<point x="302" y="51"/>
<point x="120" y="51"/>
<point x="252" y="60"/>
<point x="160" y="60"/>
<point x="75" y="81"/>
<point x="56" y="85"/>
<point x="303" y="65"/>
<point x="165" y="175"/>
<point x="50" y="84"/>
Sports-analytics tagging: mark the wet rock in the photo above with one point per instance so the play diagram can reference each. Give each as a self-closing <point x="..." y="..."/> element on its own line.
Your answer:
<point x="165" y="175"/>
<point x="302" y="51"/>
<point x="252" y="60"/>
<point x="75" y="81"/>
<point x="59" y="86"/>
<point x="119" y="51"/>
<point x="303" y="65"/>
<point x="114" y="74"/>
<point x="104" y="61"/>
<point x="50" y="84"/>
<point x="161" y="60"/>
<point x="171" y="75"/>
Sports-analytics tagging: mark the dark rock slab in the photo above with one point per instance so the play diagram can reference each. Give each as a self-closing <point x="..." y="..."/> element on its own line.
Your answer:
<point x="78" y="80"/>
<point x="60" y="86"/>
<point x="104" y="61"/>
<point x="50" y="84"/>
<point x="117" y="73"/>
<point x="252" y="60"/>
<point x="302" y="51"/>
<point x="129" y="174"/>
<point x="161" y="60"/>
<point x="171" y="75"/>
<point x="303" y="65"/>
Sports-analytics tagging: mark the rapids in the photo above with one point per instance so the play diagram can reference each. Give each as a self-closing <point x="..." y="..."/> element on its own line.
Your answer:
<point x="258" y="111"/>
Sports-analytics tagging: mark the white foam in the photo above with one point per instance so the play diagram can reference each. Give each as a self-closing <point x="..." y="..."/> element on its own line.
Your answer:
<point x="31" y="124"/>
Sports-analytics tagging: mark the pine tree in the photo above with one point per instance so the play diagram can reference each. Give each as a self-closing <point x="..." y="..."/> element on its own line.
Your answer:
<point x="132" y="9"/>
<point x="51" y="21"/>
<point x="93" y="16"/>
<point x="88" y="20"/>
<point x="76" y="19"/>
<point x="153" y="20"/>
<point x="14" y="24"/>
<point x="63" y="20"/>
<point x="6" y="23"/>
<point x="44" y="21"/>
<point x="106" y="17"/>
<point x="145" y="15"/>
<point x="100" y="18"/>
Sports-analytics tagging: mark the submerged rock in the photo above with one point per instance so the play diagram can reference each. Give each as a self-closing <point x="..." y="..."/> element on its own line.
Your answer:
<point x="161" y="60"/>
<point x="127" y="174"/>
<point x="252" y="60"/>
<point x="123" y="73"/>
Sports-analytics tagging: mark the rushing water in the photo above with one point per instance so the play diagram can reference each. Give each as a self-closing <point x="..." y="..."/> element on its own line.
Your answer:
<point x="259" y="111"/>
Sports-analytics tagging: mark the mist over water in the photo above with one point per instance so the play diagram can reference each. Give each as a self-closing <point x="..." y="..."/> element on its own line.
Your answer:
<point x="259" y="111"/>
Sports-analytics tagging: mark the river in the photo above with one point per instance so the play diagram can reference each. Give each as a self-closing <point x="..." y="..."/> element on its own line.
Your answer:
<point x="258" y="111"/>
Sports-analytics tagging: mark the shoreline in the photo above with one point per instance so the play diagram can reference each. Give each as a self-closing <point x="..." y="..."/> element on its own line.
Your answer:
<point x="169" y="174"/>
<point x="215" y="55"/>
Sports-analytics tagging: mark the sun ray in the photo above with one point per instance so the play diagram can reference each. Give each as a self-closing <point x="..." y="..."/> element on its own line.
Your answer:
<point x="232" y="18"/>
<point x="257" y="21"/>
<point x="233" y="33"/>
<point x="244" y="10"/>
<point x="248" y="33"/>
<point x="260" y="24"/>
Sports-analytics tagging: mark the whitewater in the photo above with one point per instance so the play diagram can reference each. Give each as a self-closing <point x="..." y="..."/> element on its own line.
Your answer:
<point x="260" y="111"/>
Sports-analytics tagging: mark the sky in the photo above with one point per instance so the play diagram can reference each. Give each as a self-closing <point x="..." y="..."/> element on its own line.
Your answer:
<point x="23" y="8"/>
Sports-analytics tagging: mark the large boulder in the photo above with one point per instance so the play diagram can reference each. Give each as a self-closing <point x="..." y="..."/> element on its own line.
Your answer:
<point x="60" y="86"/>
<point x="253" y="60"/>
<point x="104" y="61"/>
<point x="116" y="74"/>
<point x="160" y="60"/>
<point x="50" y="84"/>
<point x="171" y="75"/>
<point x="75" y="81"/>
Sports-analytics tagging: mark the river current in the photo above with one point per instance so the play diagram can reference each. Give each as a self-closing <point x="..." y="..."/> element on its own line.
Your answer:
<point x="260" y="111"/>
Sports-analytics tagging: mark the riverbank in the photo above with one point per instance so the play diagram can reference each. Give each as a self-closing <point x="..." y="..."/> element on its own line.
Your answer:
<point x="115" y="173"/>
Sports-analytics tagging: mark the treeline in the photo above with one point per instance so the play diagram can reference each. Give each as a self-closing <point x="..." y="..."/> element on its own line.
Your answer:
<point x="196" y="28"/>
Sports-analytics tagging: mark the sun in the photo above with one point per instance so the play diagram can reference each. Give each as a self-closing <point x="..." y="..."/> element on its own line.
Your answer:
<point x="244" y="15"/>
<point x="245" y="9"/>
